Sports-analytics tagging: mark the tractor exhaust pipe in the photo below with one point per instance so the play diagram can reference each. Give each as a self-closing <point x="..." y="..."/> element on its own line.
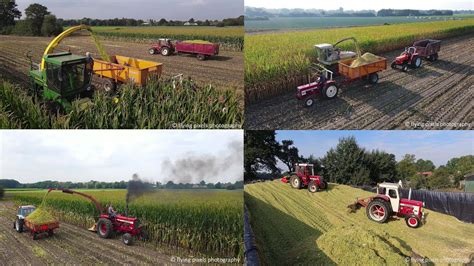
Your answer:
<point x="409" y="194"/>
<point x="126" y="209"/>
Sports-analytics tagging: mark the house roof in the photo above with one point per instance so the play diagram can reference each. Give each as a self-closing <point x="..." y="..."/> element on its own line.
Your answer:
<point x="469" y="177"/>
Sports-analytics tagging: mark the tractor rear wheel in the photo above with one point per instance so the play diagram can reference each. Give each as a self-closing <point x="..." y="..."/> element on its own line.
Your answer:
<point x="330" y="91"/>
<point x="416" y="62"/>
<point x="295" y="182"/>
<point x="308" y="102"/>
<point x="378" y="211"/>
<point x="19" y="225"/>
<point x="412" y="221"/>
<point x="127" y="239"/>
<point x="313" y="187"/>
<point x="110" y="85"/>
<point x="373" y="78"/>
<point x="152" y="51"/>
<point x="104" y="228"/>
<point x="165" y="51"/>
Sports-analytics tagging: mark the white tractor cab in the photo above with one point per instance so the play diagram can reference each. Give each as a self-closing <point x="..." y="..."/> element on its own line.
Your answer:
<point x="330" y="55"/>
<point x="23" y="212"/>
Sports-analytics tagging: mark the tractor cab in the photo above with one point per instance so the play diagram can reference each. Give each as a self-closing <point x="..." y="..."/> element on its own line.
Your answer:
<point x="392" y="192"/>
<point x="304" y="169"/>
<point x="24" y="211"/>
<point x="64" y="78"/>
<point x="330" y="55"/>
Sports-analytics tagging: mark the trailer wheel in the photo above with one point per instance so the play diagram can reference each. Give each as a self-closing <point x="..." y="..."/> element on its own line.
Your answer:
<point x="104" y="228"/>
<point x="308" y="102"/>
<point x="330" y="91"/>
<point x="295" y="182"/>
<point x="412" y="221"/>
<point x="165" y="51"/>
<point x="152" y="51"/>
<point x="313" y="187"/>
<point x="110" y="85"/>
<point x="50" y="232"/>
<point x="19" y="225"/>
<point x="143" y="236"/>
<point x="373" y="78"/>
<point x="378" y="211"/>
<point x="35" y="236"/>
<point x="404" y="67"/>
<point x="201" y="57"/>
<point x="127" y="239"/>
<point x="416" y="62"/>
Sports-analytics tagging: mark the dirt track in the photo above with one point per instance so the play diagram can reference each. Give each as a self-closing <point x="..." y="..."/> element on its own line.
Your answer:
<point x="223" y="71"/>
<point x="439" y="92"/>
<point x="70" y="245"/>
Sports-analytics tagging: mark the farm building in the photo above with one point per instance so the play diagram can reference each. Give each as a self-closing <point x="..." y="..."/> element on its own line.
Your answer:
<point x="469" y="183"/>
<point x="190" y="24"/>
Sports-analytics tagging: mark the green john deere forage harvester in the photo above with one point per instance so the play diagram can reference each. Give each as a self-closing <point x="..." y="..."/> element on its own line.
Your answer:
<point x="64" y="78"/>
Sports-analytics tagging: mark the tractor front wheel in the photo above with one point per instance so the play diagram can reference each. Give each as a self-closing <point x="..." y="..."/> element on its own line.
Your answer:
<point x="412" y="221"/>
<point x="127" y="239"/>
<point x="104" y="228"/>
<point x="378" y="211"/>
<point x="308" y="102"/>
<point x="152" y="51"/>
<point x="295" y="182"/>
<point x="313" y="187"/>
<point x="330" y="91"/>
<point x="404" y="67"/>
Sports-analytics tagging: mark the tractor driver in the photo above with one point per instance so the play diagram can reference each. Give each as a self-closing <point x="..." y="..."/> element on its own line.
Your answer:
<point x="112" y="213"/>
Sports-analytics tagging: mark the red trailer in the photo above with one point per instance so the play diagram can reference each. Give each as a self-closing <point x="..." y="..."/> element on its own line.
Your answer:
<point x="21" y="224"/>
<point x="428" y="48"/>
<point x="202" y="49"/>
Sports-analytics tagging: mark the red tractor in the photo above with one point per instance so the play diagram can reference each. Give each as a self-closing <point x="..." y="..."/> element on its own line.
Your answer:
<point x="388" y="203"/>
<point x="304" y="177"/>
<point x="408" y="58"/>
<point x="201" y="49"/>
<point x="110" y="224"/>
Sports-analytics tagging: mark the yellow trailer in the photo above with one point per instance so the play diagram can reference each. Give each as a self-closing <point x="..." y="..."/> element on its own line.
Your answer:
<point x="122" y="69"/>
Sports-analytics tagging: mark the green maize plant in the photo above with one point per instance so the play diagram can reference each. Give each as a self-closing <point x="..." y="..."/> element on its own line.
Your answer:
<point x="277" y="63"/>
<point x="157" y="105"/>
<point x="204" y="221"/>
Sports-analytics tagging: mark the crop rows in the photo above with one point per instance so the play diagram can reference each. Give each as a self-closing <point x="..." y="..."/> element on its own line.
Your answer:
<point x="229" y="38"/>
<point x="276" y="63"/>
<point x="158" y="105"/>
<point x="206" y="221"/>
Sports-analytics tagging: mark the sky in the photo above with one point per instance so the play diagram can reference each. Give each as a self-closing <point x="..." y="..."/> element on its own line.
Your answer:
<point x="141" y="9"/>
<point x="105" y="155"/>
<point x="363" y="4"/>
<point x="437" y="146"/>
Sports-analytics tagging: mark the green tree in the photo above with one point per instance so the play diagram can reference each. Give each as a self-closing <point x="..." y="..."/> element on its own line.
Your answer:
<point x="35" y="13"/>
<point x="260" y="151"/>
<point x="406" y="168"/>
<point x="51" y="26"/>
<point x="418" y="181"/>
<point x="383" y="167"/>
<point x="1" y="193"/>
<point x="424" y="166"/>
<point x="347" y="163"/>
<point x="8" y="14"/>
<point x="462" y="165"/>
<point x="440" y="179"/>
<point x="288" y="154"/>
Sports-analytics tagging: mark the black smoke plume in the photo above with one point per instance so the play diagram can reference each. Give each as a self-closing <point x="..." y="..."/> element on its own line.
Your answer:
<point x="136" y="188"/>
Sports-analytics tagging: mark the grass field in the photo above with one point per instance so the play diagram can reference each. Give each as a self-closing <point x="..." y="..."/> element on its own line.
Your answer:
<point x="158" y="105"/>
<point x="297" y="227"/>
<point x="205" y="221"/>
<point x="228" y="37"/>
<point x="276" y="63"/>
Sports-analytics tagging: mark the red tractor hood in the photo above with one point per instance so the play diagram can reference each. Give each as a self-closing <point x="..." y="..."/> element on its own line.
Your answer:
<point x="411" y="202"/>
<point x="125" y="219"/>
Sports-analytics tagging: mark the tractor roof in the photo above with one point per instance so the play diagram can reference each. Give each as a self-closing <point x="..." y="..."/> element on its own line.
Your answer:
<point x="64" y="58"/>
<point x="389" y="185"/>
<point x="27" y="207"/>
<point x="323" y="46"/>
<point x="304" y="164"/>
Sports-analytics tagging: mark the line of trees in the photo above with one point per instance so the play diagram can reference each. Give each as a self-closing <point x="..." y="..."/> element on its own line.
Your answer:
<point x="162" y="22"/>
<point x="348" y="163"/>
<point x="412" y="12"/>
<point x="11" y="183"/>
<point x="38" y="22"/>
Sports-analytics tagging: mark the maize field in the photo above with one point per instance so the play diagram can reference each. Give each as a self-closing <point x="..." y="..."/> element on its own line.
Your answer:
<point x="230" y="38"/>
<point x="276" y="63"/>
<point x="158" y="105"/>
<point x="203" y="221"/>
<point x="317" y="229"/>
